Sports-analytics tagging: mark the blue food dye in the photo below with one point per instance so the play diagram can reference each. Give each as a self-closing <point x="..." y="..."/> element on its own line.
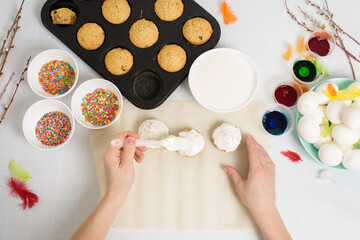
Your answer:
<point x="275" y="122"/>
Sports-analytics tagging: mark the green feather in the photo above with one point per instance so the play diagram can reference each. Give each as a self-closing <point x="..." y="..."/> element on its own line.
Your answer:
<point x="325" y="129"/>
<point x="19" y="172"/>
<point x="357" y="145"/>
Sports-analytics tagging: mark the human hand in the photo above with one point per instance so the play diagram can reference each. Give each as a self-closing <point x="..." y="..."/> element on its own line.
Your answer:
<point x="257" y="192"/>
<point x="119" y="166"/>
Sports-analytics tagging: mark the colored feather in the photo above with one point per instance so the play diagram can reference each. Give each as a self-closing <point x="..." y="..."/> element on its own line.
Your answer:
<point x="357" y="145"/>
<point x="326" y="129"/>
<point x="322" y="34"/>
<point x="227" y="12"/>
<point x="288" y="55"/>
<point x="344" y="95"/>
<point x="301" y="46"/>
<point x="304" y="88"/>
<point x="19" y="172"/>
<point x="292" y="156"/>
<point x="331" y="89"/>
<point x="19" y="189"/>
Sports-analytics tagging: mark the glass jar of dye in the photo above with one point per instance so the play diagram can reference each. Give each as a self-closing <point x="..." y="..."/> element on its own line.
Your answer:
<point x="277" y="120"/>
<point x="287" y="93"/>
<point x="321" y="43"/>
<point x="307" y="68"/>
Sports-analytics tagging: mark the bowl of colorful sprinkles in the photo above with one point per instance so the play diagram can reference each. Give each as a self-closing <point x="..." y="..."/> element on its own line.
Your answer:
<point x="97" y="103"/>
<point x="48" y="124"/>
<point x="53" y="74"/>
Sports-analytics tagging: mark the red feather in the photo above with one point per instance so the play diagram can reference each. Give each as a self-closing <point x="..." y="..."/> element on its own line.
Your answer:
<point x="292" y="156"/>
<point x="19" y="189"/>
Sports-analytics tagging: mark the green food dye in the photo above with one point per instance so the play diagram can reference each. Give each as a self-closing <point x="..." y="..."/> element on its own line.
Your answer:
<point x="305" y="70"/>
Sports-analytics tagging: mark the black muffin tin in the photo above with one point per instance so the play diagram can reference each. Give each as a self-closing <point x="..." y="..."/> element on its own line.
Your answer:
<point x="146" y="85"/>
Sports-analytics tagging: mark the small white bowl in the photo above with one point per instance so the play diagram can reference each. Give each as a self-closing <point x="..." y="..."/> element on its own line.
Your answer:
<point x="223" y="80"/>
<point x="33" y="115"/>
<point x="88" y="87"/>
<point x="286" y="112"/>
<point x="36" y="65"/>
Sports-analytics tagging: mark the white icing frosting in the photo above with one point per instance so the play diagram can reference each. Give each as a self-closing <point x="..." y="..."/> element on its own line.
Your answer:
<point x="153" y="130"/>
<point x="196" y="143"/>
<point x="227" y="137"/>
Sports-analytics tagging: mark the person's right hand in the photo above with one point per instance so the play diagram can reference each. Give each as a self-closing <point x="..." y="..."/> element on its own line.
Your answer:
<point x="119" y="166"/>
<point x="257" y="192"/>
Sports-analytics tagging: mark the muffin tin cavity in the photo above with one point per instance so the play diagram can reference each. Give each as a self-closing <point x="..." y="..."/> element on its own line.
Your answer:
<point x="90" y="36"/>
<point x="116" y="11"/>
<point x="119" y="61"/>
<point x="147" y="85"/>
<point x="62" y="8"/>
<point x="197" y="30"/>
<point x="144" y="33"/>
<point x="169" y="10"/>
<point x="141" y="78"/>
<point x="172" y="58"/>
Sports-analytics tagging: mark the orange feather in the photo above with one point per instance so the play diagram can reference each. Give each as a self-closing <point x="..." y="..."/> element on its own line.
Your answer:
<point x="301" y="47"/>
<point x="288" y="55"/>
<point x="227" y="12"/>
<point x="331" y="89"/>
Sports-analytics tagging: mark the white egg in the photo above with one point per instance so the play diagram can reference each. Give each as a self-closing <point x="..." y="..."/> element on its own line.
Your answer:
<point x="330" y="154"/>
<point x="344" y="135"/>
<point x="320" y="115"/>
<point x="323" y="99"/>
<point x="335" y="110"/>
<point x="352" y="118"/>
<point x="345" y="149"/>
<point x="356" y="104"/>
<point x="352" y="160"/>
<point x="355" y="84"/>
<point x="323" y="139"/>
<point x="347" y="103"/>
<point x="309" y="130"/>
<point x="308" y="102"/>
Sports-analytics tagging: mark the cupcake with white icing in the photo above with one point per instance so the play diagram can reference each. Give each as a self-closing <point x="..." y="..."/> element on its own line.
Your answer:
<point x="227" y="137"/>
<point x="153" y="129"/>
<point x="196" y="143"/>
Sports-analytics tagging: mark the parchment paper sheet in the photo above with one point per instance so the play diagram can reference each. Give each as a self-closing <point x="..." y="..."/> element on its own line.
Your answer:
<point x="175" y="192"/>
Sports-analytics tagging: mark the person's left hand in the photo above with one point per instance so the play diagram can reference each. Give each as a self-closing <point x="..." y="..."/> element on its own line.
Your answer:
<point x="119" y="166"/>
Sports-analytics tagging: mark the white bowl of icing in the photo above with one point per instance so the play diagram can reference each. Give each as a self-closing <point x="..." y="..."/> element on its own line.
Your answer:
<point x="223" y="80"/>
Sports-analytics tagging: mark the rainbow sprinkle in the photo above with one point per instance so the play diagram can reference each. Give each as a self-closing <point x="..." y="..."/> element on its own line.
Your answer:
<point x="53" y="128"/>
<point x="100" y="107"/>
<point x="56" y="77"/>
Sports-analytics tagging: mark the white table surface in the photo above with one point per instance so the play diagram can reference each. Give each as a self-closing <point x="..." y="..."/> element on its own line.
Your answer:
<point x="66" y="181"/>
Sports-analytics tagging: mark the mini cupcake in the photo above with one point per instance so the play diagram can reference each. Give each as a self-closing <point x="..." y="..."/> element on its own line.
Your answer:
<point x="227" y="137"/>
<point x="153" y="130"/>
<point x="196" y="143"/>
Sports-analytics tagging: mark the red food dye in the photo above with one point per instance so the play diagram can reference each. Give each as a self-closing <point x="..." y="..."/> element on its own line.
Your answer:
<point x="292" y="156"/>
<point x="286" y="95"/>
<point x="319" y="45"/>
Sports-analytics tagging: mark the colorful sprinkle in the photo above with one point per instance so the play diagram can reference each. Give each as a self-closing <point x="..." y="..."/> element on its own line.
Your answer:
<point x="53" y="128"/>
<point x="56" y="77"/>
<point x="100" y="107"/>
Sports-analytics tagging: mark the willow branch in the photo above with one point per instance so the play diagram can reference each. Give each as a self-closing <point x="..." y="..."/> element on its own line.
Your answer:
<point x="15" y="91"/>
<point x="16" y="19"/>
<point x="6" y="48"/>
<point x="6" y="85"/>
<point x="293" y="17"/>
<point x="341" y="41"/>
<point x="328" y="15"/>
<point x="303" y="24"/>
<point x="11" y="46"/>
